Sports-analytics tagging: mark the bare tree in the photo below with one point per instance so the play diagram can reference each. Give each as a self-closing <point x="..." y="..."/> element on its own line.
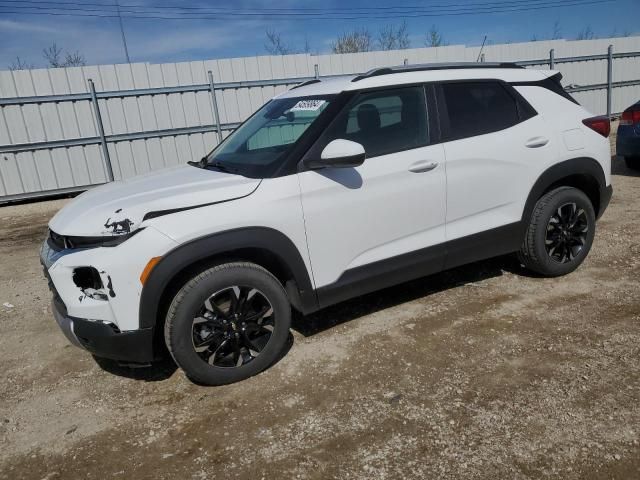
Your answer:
<point x="307" y="45"/>
<point x="391" y="37"/>
<point x="74" y="59"/>
<point x="586" y="34"/>
<point x="57" y="58"/>
<point x="625" y="33"/>
<point x="556" y="33"/>
<point x="19" y="64"/>
<point x="353" y="42"/>
<point x="53" y="55"/>
<point x="434" y="38"/>
<point x="275" y="43"/>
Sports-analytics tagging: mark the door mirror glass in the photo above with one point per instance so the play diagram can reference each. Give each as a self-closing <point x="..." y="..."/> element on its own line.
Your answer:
<point x="339" y="153"/>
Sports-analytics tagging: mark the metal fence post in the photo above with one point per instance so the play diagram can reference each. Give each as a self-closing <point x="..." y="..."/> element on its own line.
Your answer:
<point x="609" y="78"/>
<point x="214" y="105"/>
<point x="103" y="138"/>
<point x="317" y="71"/>
<point x="552" y="59"/>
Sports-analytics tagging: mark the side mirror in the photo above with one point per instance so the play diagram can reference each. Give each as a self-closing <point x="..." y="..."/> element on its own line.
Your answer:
<point x="339" y="154"/>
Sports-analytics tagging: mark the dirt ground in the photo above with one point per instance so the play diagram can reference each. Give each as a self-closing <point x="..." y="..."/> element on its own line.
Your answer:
<point x="480" y="372"/>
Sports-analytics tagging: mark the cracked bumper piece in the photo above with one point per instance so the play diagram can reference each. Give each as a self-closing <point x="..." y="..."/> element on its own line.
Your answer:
<point x="104" y="339"/>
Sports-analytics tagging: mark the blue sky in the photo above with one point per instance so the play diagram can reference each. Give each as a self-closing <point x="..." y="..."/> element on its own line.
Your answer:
<point x="232" y="35"/>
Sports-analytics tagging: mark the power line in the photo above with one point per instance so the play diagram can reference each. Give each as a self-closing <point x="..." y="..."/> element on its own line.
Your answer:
<point x="124" y="38"/>
<point x="496" y="4"/>
<point x="441" y="12"/>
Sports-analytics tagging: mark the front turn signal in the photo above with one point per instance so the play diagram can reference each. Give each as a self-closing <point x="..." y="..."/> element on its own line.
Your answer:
<point x="147" y="270"/>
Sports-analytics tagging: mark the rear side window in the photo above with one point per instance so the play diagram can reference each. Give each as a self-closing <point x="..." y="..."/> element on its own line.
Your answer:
<point x="477" y="108"/>
<point x="384" y="122"/>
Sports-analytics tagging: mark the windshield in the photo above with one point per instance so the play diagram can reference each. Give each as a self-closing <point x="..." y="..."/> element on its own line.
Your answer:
<point x="259" y="146"/>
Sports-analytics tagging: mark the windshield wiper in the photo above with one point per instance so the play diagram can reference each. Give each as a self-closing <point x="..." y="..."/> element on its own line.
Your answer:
<point x="222" y="167"/>
<point x="202" y="163"/>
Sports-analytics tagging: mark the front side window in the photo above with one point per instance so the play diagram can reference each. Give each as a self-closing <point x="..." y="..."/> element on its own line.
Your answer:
<point x="477" y="108"/>
<point x="258" y="147"/>
<point x="383" y="122"/>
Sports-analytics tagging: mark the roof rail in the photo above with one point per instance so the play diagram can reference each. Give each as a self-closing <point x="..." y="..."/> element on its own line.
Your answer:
<point x="308" y="82"/>
<point x="433" y="66"/>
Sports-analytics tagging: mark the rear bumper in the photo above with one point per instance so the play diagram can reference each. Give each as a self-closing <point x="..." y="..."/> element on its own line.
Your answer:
<point x="104" y="339"/>
<point x="628" y="146"/>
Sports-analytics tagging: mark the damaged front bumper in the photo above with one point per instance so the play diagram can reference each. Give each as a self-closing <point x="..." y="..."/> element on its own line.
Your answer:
<point x="103" y="320"/>
<point x="104" y="339"/>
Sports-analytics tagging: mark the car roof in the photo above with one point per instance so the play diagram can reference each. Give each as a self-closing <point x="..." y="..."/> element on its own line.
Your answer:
<point x="390" y="76"/>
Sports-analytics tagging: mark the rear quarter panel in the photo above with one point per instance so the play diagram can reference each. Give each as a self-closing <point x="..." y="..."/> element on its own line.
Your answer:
<point x="565" y="119"/>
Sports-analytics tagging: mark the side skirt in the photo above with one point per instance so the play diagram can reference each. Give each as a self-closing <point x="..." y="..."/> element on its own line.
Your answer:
<point x="420" y="263"/>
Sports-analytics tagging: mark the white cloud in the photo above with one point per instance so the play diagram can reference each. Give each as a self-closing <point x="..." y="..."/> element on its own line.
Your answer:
<point x="27" y="27"/>
<point x="182" y="40"/>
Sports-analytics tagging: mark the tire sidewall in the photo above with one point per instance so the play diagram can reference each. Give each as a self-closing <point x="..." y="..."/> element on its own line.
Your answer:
<point x="188" y="303"/>
<point x="561" y="197"/>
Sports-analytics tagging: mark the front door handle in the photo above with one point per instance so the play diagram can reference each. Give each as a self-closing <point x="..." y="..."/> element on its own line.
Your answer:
<point x="423" y="166"/>
<point x="536" y="142"/>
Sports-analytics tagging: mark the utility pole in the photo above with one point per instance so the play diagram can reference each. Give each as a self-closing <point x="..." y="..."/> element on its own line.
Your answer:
<point x="124" y="39"/>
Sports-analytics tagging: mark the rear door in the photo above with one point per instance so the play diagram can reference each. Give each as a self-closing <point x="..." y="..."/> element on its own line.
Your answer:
<point x="360" y="220"/>
<point x="496" y="147"/>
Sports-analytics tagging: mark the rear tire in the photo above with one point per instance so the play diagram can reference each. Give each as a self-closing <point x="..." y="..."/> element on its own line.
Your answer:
<point x="560" y="232"/>
<point x="632" y="162"/>
<point x="228" y="323"/>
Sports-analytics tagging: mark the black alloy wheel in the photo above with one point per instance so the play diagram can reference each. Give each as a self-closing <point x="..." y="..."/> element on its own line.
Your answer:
<point x="233" y="326"/>
<point x="227" y="323"/>
<point x="567" y="231"/>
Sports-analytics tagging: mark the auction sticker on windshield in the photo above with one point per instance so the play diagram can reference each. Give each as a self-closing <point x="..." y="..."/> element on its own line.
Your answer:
<point x="307" y="105"/>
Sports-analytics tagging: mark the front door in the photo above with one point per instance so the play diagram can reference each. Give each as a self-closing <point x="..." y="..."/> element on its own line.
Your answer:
<point x="371" y="226"/>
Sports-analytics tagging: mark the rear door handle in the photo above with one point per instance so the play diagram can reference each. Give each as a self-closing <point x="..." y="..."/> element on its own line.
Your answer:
<point x="423" y="166"/>
<point x="536" y="142"/>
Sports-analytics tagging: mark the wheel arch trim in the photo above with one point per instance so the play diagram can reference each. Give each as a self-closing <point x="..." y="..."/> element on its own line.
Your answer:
<point x="263" y="239"/>
<point x="585" y="167"/>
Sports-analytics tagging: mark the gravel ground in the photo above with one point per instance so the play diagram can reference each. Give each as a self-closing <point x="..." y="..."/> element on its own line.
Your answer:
<point x="480" y="372"/>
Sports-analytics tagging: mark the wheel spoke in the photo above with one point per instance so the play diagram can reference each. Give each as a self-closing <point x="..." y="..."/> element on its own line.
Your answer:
<point x="576" y="217"/>
<point x="258" y="316"/>
<point x="212" y="307"/>
<point x="237" y="353"/>
<point x="205" y="344"/>
<point x="250" y="345"/>
<point x="211" y="360"/>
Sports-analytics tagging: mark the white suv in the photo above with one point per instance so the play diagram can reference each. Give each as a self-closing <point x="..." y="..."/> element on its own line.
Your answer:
<point x="338" y="187"/>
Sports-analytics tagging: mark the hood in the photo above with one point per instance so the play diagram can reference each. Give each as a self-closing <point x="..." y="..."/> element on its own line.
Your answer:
<point x="119" y="207"/>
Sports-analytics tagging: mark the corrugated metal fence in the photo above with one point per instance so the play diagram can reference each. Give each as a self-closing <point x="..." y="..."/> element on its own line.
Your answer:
<point x="66" y="129"/>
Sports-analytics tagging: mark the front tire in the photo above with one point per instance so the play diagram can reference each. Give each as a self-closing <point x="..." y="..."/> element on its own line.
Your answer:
<point x="560" y="232"/>
<point x="228" y="323"/>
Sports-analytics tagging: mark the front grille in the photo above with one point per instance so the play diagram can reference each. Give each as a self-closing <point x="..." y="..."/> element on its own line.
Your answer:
<point x="59" y="242"/>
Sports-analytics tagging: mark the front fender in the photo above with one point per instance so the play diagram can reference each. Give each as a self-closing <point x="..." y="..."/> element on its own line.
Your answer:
<point x="190" y="253"/>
